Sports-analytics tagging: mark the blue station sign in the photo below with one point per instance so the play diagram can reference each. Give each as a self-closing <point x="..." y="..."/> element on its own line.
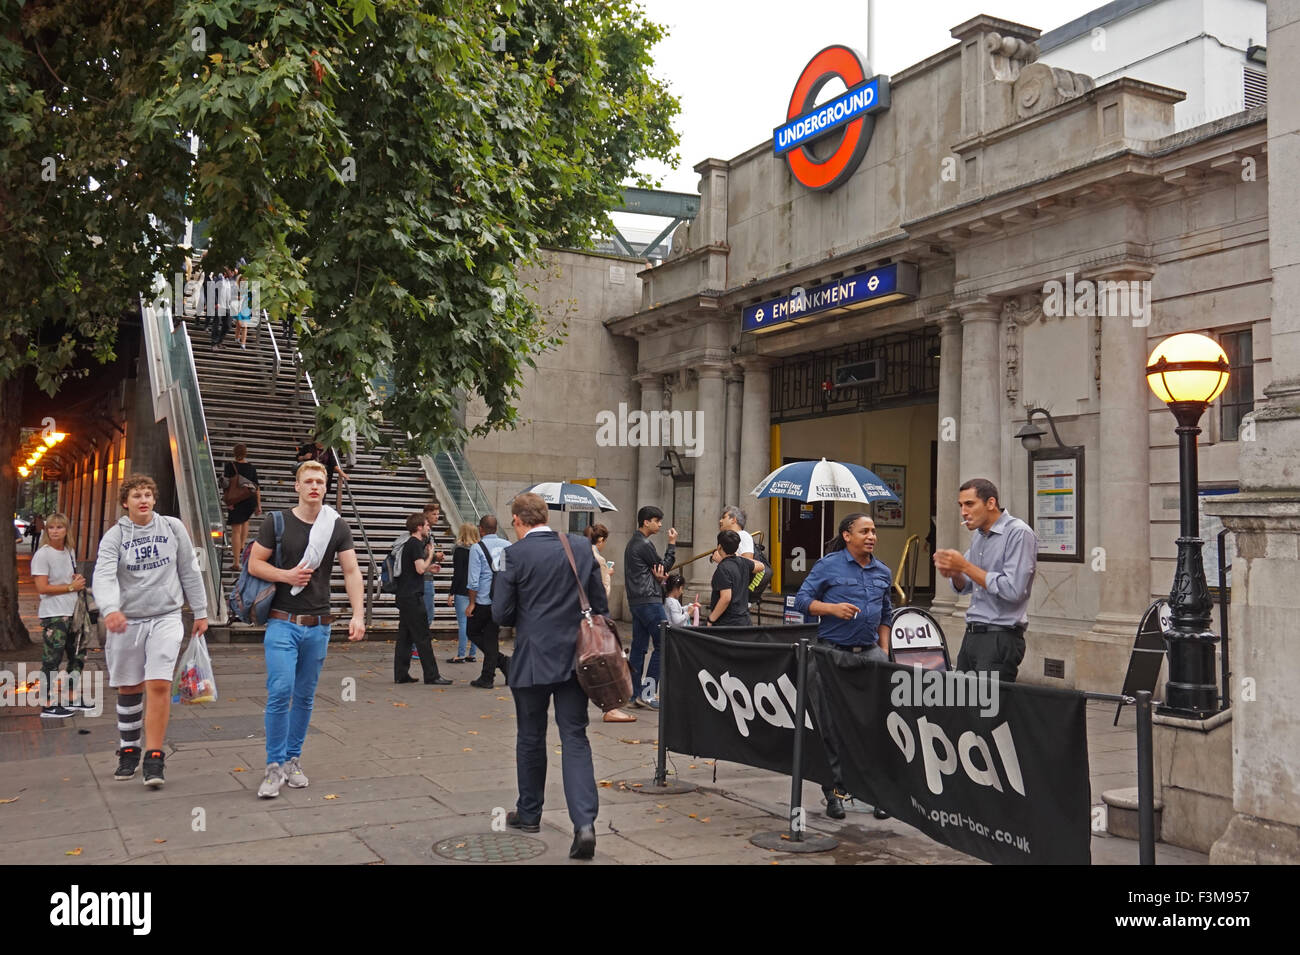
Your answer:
<point x="829" y="116"/>
<point x="890" y="283"/>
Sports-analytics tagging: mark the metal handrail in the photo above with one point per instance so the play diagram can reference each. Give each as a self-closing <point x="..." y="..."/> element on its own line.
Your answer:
<point x="909" y="560"/>
<point x="344" y="485"/>
<point x="275" y="368"/>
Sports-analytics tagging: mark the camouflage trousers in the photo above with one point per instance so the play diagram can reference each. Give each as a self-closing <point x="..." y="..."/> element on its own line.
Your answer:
<point x="58" y="639"/>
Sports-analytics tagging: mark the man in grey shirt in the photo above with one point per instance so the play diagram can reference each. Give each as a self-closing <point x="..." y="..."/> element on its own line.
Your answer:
<point x="998" y="572"/>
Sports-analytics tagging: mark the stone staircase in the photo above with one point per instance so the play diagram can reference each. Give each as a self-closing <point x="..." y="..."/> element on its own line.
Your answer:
<point x="245" y="401"/>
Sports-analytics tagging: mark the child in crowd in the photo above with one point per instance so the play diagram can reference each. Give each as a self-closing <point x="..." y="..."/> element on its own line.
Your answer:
<point x="678" y="615"/>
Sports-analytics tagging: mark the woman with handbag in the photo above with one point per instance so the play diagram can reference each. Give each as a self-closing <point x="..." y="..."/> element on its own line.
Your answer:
<point x="243" y="497"/>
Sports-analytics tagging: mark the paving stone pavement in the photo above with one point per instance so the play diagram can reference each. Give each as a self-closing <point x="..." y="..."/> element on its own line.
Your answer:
<point x="398" y="770"/>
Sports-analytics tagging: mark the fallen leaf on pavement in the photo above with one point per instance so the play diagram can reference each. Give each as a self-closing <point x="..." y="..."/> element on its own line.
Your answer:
<point x="473" y="732"/>
<point x="73" y="852"/>
<point x="605" y="783"/>
<point x="660" y="820"/>
<point x="11" y="799"/>
<point x="160" y="841"/>
<point x="485" y="717"/>
<point x="660" y="805"/>
<point x="785" y="836"/>
<point x="467" y="749"/>
<point x="706" y="819"/>
<point x="399" y="704"/>
<point x="629" y="741"/>
<point x="692" y="766"/>
<point x="502" y="698"/>
<point x="690" y="815"/>
<point x="637" y="785"/>
<point x="331" y="796"/>
<point x="238" y="769"/>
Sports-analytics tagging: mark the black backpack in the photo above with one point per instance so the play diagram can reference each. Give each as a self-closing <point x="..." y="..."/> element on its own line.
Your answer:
<point x="762" y="578"/>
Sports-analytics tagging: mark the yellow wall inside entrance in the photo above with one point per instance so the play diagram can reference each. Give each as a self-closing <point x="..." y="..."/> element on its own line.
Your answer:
<point x="894" y="436"/>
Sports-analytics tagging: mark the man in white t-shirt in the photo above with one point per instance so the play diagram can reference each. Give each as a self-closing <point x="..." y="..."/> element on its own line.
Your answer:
<point x="733" y="519"/>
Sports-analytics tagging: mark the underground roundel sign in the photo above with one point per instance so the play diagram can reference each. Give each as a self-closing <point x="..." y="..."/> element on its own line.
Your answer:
<point x="824" y="144"/>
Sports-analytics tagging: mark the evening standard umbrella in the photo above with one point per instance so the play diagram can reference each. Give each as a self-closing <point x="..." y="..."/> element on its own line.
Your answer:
<point x="824" y="481"/>
<point x="561" y="496"/>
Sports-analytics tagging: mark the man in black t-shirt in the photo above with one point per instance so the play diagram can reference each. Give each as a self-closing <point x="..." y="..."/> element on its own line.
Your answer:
<point x="298" y="631"/>
<point x="729" y="603"/>
<point x="412" y="617"/>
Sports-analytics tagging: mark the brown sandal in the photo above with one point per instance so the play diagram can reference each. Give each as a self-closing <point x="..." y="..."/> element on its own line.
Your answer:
<point x="618" y="716"/>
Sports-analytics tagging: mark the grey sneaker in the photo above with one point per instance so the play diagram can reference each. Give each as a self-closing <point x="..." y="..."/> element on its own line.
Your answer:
<point x="270" y="787"/>
<point x="294" y="775"/>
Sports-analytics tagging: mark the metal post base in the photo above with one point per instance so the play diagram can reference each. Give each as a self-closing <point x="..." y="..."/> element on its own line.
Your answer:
<point x="782" y="841"/>
<point x="650" y="788"/>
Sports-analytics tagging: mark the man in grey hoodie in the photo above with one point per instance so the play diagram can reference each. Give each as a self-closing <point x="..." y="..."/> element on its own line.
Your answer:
<point x="145" y="572"/>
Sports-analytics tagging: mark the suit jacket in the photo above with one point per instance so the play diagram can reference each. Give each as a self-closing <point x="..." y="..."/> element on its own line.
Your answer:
<point x="537" y="595"/>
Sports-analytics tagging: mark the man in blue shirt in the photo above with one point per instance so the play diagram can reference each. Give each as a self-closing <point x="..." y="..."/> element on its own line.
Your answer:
<point x="479" y="626"/>
<point x="848" y="591"/>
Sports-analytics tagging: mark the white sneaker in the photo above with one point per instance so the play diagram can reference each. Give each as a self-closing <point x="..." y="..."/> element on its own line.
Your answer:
<point x="294" y="775"/>
<point x="270" y="787"/>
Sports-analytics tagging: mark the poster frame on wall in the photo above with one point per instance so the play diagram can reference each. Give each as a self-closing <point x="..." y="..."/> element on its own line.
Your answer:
<point x="889" y="513"/>
<point x="1071" y="460"/>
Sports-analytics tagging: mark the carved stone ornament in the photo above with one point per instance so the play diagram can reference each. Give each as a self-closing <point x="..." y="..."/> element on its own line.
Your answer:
<point x="679" y="243"/>
<point x="1040" y="87"/>
<point x="1008" y="54"/>
<point x="1017" y="312"/>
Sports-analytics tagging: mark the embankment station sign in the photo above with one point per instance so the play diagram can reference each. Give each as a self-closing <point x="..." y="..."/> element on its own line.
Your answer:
<point x="890" y="283"/>
<point x="851" y="116"/>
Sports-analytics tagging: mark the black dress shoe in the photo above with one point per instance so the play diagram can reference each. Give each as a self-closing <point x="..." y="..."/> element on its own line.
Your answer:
<point x="440" y="681"/>
<point x="481" y="684"/>
<point x="514" y="822"/>
<point x="880" y="813"/>
<point x="834" y="807"/>
<point x="406" y="679"/>
<point x="584" y="843"/>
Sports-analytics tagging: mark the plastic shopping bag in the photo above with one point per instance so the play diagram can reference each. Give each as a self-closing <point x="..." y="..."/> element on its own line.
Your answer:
<point x="195" y="681"/>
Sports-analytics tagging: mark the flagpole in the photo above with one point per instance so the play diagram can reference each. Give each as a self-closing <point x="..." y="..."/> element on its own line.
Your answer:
<point x="871" y="36"/>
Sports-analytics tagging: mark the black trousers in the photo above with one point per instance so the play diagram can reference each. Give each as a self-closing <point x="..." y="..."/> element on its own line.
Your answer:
<point x="484" y="633"/>
<point x="413" y="630"/>
<point x="822" y="712"/>
<point x="993" y="651"/>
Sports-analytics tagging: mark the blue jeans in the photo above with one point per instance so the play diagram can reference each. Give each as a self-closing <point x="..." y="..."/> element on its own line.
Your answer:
<point x="462" y="604"/>
<point x="645" y="630"/>
<point x="294" y="657"/>
<point x="428" y="598"/>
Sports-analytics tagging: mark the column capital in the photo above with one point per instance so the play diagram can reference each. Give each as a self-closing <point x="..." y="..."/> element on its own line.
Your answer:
<point x="734" y="374"/>
<point x="983" y="308"/>
<point x="649" y="380"/>
<point x="711" y="369"/>
<point x="946" y="318"/>
<point x="1126" y="269"/>
<point x="753" y="363"/>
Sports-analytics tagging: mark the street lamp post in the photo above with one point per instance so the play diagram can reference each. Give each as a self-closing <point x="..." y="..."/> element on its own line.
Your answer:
<point x="1187" y="372"/>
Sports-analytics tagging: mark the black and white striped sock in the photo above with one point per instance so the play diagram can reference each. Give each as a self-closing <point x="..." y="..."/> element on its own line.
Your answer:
<point x="130" y="719"/>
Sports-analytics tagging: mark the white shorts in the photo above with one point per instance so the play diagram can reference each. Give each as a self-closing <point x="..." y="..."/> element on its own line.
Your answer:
<point x="147" y="650"/>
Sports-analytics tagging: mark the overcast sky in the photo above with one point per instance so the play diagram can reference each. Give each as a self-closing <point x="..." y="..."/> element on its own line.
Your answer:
<point x="733" y="63"/>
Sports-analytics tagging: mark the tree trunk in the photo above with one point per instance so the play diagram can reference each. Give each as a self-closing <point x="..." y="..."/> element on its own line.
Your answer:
<point x="13" y="632"/>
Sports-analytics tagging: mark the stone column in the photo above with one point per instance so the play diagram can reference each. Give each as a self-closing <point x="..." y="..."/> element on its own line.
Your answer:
<point x="756" y="443"/>
<point x="1265" y="518"/>
<point x="948" y="532"/>
<point x="649" y="482"/>
<point x="980" y="430"/>
<point x="731" y="469"/>
<point x="708" y="468"/>
<point x="1123" y="481"/>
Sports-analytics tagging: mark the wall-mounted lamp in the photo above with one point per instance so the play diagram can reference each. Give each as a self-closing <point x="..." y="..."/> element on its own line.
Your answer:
<point x="1031" y="436"/>
<point x="672" y="465"/>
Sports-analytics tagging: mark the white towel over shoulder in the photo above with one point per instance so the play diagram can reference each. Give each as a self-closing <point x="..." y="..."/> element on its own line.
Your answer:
<point x="321" y="532"/>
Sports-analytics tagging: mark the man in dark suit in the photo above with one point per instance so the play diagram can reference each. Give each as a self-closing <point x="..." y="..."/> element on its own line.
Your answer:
<point x="536" y="594"/>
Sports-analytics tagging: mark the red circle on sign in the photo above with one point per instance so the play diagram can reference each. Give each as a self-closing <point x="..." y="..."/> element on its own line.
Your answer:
<point x="834" y="61"/>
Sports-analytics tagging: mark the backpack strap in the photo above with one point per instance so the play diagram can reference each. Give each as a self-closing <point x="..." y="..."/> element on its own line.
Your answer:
<point x="487" y="555"/>
<point x="277" y="517"/>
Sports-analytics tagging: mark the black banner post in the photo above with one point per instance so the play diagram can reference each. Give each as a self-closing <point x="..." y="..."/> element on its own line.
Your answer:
<point x="1146" y="782"/>
<point x="660" y="786"/>
<point x="797" y="839"/>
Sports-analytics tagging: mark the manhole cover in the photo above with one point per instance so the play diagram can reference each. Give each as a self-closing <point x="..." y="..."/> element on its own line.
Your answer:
<point x="490" y="847"/>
